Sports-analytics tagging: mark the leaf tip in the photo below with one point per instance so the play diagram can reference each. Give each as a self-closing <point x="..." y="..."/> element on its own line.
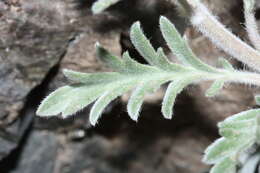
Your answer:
<point x="136" y="24"/>
<point x="125" y="54"/>
<point x="134" y="30"/>
<point x="97" y="44"/>
<point x="167" y="113"/>
<point x="163" y="20"/>
<point x="66" y="72"/>
<point x="257" y="100"/>
<point x="41" y="112"/>
<point x="133" y="115"/>
<point x="93" y="121"/>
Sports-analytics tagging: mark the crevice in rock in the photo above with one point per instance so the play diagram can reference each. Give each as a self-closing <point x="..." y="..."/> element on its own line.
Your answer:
<point x="35" y="97"/>
<point x="9" y="162"/>
<point x="27" y="114"/>
<point x="32" y="101"/>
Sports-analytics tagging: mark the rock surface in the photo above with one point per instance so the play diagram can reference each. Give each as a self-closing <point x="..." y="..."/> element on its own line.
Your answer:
<point x="130" y="153"/>
<point x="39" y="153"/>
<point x="34" y="37"/>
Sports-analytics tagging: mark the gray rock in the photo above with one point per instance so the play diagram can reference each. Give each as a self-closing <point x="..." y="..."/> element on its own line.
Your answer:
<point x="128" y="152"/>
<point x="11" y="136"/>
<point x="38" y="154"/>
<point x="34" y="36"/>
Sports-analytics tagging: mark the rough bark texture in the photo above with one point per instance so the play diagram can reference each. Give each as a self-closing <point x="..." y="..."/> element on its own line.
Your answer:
<point x="40" y="38"/>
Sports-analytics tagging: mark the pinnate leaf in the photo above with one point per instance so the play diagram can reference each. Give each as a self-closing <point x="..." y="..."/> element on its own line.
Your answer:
<point x="103" y="87"/>
<point x="239" y="133"/>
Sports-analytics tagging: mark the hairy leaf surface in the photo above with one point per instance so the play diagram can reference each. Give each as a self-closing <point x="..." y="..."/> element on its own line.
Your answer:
<point x="103" y="87"/>
<point x="101" y="5"/>
<point x="227" y="165"/>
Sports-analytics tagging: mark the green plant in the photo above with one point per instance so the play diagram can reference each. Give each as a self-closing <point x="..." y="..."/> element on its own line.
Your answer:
<point x="239" y="132"/>
<point x="101" y="5"/>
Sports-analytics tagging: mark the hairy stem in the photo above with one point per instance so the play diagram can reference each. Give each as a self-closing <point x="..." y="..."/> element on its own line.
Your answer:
<point x="251" y="24"/>
<point x="206" y="23"/>
<point x="248" y="78"/>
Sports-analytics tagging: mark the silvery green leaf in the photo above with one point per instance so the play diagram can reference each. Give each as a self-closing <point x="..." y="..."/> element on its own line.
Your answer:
<point x="133" y="67"/>
<point x="251" y="165"/>
<point x="110" y="60"/>
<point x="246" y="115"/>
<point x="105" y="99"/>
<point x="240" y="128"/>
<point x="225" y="64"/>
<point x="92" y="78"/>
<point x="223" y="148"/>
<point x="101" y="5"/>
<point x="53" y="105"/>
<point x="180" y="48"/>
<point x="227" y="165"/>
<point x="257" y="129"/>
<point x="69" y="99"/>
<point x="165" y="64"/>
<point x="249" y="5"/>
<point x="234" y="133"/>
<point x="237" y="124"/>
<point x="215" y="88"/>
<point x="239" y="134"/>
<point x="143" y="45"/>
<point x="137" y="98"/>
<point x="257" y="99"/>
<point x="172" y="91"/>
<point x="106" y="86"/>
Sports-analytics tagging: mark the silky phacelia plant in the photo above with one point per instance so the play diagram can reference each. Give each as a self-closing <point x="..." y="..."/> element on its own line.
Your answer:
<point x="239" y="132"/>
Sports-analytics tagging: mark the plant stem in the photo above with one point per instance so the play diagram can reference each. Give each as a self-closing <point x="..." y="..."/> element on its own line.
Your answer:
<point x="206" y="23"/>
<point x="251" y="24"/>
